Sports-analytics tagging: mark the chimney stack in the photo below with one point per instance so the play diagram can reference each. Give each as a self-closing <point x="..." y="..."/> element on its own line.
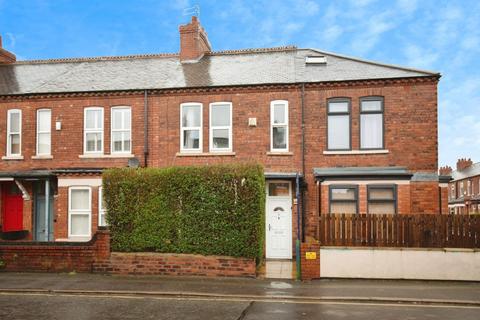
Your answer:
<point x="6" y="57"/>
<point x="463" y="163"/>
<point x="193" y="41"/>
<point x="445" y="171"/>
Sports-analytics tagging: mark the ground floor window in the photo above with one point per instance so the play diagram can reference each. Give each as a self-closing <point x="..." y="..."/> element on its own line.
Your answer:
<point x="382" y="199"/>
<point x="343" y="199"/>
<point x="79" y="211"/>
<point x="101" y="208"/>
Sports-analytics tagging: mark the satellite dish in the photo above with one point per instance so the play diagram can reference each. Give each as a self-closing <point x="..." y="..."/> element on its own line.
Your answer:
<point x="133" y="163"/>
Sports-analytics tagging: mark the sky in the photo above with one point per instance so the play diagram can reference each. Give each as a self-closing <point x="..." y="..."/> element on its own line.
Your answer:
<point x="442" y="36"/>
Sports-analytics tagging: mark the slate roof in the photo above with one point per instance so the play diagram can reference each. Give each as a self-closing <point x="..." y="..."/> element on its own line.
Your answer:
<point x="471" y="171"/>
<point x="283" y="65"/>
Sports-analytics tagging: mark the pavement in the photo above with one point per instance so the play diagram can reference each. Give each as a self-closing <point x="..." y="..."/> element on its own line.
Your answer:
<point x="92" y="296"/>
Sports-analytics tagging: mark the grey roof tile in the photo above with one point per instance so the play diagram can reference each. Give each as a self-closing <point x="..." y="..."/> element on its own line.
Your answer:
<point x="268" y="66"/>
<point x="471" y="171"/>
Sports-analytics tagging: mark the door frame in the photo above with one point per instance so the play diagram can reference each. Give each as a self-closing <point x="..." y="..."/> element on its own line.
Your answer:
<point x="289" y="198"/>
<point x="4" y="197"/>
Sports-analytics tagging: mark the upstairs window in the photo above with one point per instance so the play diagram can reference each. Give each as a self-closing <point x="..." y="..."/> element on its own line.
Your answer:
<point x="93" y="130"/>
<point x="121" y="130"/>
<point x="382" y="199"/>
<point x="460" y="186"/>
<point x="338" y="124"/>
<point x="279" y="126"/>
<point x="14" y="132"/>
<point x="469" y="187"/>
<point x="371" y="123"/>
<point x="343" y="199"/>
<point x="191" y="127"/>
<point x="452" y="191"/>
<point x="44" y="132"/>
<point x="220" y="126"/>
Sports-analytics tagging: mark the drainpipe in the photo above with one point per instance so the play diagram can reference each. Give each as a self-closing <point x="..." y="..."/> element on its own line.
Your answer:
<point x="145" y="125"/>
<point x="47" y="209"/>
<point x="303" y="162"/>
<point x="297" y="242"/>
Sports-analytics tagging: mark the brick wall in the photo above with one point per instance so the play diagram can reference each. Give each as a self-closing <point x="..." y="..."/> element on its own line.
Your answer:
<point x="54" y="257"/>
<point x="176" y="265"/>
<point x="310" y="267"/>
<point x="425" y="197"/>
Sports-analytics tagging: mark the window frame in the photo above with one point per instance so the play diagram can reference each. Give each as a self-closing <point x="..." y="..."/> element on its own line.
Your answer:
<point x="382" y="112"/>
<point x="101" y="210"/>
<point x="38" y="132"/>
<point x="229" y="128"/>
<point x="343" y="186"/>
<point x="461" y="189"/>
<point x="79" y="212"/>
<point x="199" y="128"/>
<point x="469" y="187"/>
<point x="123" y="130"/>
<point x="285" y="125"/>
<point x="9" y="133"/>
<point x="383" y="186"/>
<point x="453" y="194"/>
<point x="333" y="114"/>
<point x="96" y="130"/>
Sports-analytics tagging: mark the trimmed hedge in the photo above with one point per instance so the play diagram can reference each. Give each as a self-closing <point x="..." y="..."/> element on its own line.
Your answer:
<point x="209" y="210"/>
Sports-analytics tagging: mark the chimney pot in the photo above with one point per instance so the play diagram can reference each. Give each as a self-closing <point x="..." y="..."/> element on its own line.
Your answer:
<point x="463" y="163"/>
<point x="193" y="41"/>
<point x="6" y="57"/>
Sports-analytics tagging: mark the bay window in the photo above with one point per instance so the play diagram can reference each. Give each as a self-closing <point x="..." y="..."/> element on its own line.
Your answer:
<point x="343" y="199"/>
<point x="382" y="199"/>
<point x="79" y="212"/>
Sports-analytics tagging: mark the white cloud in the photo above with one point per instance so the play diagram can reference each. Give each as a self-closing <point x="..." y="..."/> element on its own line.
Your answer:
<point x="407" y="6"/>
<point x="419" y="58"/>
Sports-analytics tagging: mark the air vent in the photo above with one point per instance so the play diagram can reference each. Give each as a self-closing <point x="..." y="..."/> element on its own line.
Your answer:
<point x="316" y="60"/>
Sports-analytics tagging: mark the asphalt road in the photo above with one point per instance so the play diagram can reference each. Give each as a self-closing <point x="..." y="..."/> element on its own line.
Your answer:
<point x="28" y="306"/>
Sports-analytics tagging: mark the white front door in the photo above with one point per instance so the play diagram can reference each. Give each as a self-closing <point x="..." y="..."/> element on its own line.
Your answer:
<point x="279" y="220"/>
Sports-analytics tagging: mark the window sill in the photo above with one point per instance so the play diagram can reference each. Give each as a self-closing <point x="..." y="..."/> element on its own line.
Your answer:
<point x="353" y="152"/>
<point x="42" y="157"/>
<point x="206" y="154"/>
<point x="12" y="158"/>
<point x="279" y="153"/>
<point x="101" y="156"/>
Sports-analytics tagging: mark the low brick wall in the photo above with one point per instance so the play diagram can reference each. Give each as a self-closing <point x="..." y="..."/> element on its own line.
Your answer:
<point x="54" y="256"/>
<point x="176" y="265"/>
<point x="310" y="263"/>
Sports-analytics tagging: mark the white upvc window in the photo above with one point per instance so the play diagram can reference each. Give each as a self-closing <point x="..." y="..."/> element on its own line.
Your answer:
<point x="279" y="126"/>
<point x="44" y="132"/>
<point x="79" y="212"/>
<point x="191" y="123"/>
<point x="469" y="187"/>
<point x="93" y="130"/>
<point x="221" y="127"/>
<point x="121" y="132"/>
<point x="14" y="132"/>
<point x="101" y="208"/>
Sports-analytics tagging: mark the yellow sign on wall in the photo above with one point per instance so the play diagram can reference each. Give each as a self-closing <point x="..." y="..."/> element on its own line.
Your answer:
<point x="311" y="255"/>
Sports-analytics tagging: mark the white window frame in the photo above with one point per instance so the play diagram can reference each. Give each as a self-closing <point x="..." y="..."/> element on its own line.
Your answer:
<point x="376" y="112"/>
<point x="285" y="125"/>
<point x="10" y="133"/>
<point x="96" y="130"/>
<point x="183" y="129"/>
<point x="44" y="132"/>
<point x="212" y="127"/>
<point x="101" y="210"/>
<point x="123" y="130"/>
<point x="79" y="212"/>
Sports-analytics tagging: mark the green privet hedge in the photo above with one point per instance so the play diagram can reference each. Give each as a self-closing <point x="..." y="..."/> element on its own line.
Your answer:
<point x="209" y="210"/>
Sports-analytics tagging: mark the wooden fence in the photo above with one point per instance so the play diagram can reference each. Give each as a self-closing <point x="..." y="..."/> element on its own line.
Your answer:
<point x="418" y="231"/>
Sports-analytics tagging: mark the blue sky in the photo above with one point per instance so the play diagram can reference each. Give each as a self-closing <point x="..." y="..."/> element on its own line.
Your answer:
<point x="437" y="35"/>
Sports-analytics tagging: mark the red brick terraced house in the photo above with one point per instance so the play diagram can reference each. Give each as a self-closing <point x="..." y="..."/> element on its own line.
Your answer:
<point x="360" y="136"/>
<point x="464" y="187"/>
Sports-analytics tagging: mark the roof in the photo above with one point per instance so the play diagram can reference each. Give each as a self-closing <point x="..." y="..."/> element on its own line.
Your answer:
<point x="471" y="171"/>
<point x="284" y="65"/>
<point x="361" y="172"/>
